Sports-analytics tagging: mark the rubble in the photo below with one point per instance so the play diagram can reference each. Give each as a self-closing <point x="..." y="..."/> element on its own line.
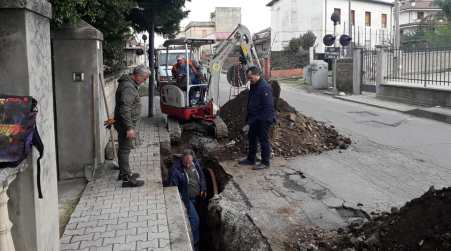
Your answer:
<point x="294" y="134"/>
<point x="422" y="224"/>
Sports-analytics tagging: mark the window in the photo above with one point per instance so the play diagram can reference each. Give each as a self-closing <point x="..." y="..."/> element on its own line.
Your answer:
<point x="353" y="17"/>
<point x="294" y="17"/>
<point x="367" y="18"/>
<point x="420" y="15"/>
<point x="384" y="20"/>
<point x="338" y="11"/>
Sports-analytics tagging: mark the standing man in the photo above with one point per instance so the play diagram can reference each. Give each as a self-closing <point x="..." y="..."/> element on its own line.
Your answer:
<point x="260" y="117"/>
<point x="189" y="178"/>
<point x="126" y="114"/>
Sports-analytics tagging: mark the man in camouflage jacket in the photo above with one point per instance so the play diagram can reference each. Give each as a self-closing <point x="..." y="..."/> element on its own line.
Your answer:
<point x="126" y="114"/>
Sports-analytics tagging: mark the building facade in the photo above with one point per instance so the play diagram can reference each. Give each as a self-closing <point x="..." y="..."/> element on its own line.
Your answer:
<point x="199" y="29"/>
<point x="371" y="21"/>
<point x="222" y="22"/>
<point x="414" y="13"/>
<point x="262" y="42"/>
<point x="226" y="18"/>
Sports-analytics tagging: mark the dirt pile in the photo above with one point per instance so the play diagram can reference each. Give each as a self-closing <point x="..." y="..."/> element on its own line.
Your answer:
<point x="294" y="134"/>
<point x="422" y="224"/>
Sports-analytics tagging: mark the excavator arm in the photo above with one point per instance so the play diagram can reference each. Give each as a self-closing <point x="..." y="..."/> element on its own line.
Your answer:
<point x="241" y="38"/>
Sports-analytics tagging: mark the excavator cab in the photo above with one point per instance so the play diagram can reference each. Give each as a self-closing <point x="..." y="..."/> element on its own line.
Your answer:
<point x="185" y="96"/>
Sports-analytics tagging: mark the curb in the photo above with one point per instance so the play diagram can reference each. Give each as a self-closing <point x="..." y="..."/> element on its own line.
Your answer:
<point x="368" y="104"/>
<point x="416" y="112"/>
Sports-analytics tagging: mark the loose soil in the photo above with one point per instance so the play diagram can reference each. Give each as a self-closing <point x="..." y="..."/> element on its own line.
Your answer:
<point x="294" y="134"/>
<point x="422" y="224"/>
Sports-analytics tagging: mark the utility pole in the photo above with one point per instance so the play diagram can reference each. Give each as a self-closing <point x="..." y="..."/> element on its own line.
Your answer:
<point x="350" y="26"/>
<point x="151" y="67"/>
<point x="397" y="30"/>
<point x="350" y="18"/>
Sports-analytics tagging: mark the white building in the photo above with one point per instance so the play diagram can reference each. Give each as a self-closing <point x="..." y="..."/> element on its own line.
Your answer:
<point x="371" y="21"/>
<point x="414" y="12"/>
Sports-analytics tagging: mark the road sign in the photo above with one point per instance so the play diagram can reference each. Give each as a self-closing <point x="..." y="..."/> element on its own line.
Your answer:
<point x="332" y="52"/>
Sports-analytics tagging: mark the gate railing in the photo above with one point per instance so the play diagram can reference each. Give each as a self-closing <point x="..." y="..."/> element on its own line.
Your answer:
<point x="430" y="68"/>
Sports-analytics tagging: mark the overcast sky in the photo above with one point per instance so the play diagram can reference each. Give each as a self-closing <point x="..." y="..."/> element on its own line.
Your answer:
<point x="254" y="13"/>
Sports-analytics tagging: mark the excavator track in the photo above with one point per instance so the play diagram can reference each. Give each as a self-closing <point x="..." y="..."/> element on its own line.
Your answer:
<point x="221" y="130"/>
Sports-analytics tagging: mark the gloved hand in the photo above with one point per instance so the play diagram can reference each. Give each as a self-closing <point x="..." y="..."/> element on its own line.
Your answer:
<point x="108" y="123"/>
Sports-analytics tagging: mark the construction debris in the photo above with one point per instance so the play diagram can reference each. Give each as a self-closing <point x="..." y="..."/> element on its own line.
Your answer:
<point x="294" y="134"/>
<point x="422" y="224"/>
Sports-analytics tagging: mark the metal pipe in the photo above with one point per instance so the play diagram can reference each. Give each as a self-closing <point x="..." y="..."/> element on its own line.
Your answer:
<point x="167" y="58"/>
<point x="187" y="75"/>
<point x="94" y="128"/>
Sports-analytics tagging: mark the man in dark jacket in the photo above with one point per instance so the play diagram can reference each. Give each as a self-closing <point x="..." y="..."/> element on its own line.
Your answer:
<point x="260" y="117"/>
<point x="126" y="114"/>
<point x="188" y="176"/>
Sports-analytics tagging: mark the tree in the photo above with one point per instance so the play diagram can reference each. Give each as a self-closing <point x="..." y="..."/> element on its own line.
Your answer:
<point x="308" y="40"/>
<point x="157" y="16"/>
<point x="294" y="45"/>
<point x="108" y="16"/>
<point x="445" y="5"/>
<point x="304" y="42"/>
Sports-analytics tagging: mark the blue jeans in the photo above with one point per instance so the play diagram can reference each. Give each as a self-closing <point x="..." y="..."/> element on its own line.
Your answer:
<point x="194" y="220"/>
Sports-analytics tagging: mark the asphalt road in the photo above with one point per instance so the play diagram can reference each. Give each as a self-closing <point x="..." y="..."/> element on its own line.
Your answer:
<point x="394" y="157"/>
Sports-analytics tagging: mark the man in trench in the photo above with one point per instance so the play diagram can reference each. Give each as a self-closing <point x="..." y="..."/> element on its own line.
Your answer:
<point x="188" y="176"/>
<point x="260" y="117"/>
<point x="126" y="114"/>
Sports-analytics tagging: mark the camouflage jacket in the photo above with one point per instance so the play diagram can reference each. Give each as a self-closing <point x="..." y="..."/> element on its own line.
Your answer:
<point x="128" y="104"/>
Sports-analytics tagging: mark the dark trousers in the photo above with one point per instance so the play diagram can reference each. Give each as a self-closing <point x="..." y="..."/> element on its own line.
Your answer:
<point x="259" y="132"/>
<point x="123" y="152"/>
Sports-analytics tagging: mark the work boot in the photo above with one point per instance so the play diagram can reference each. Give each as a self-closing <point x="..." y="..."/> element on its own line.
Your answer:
<point x="261" y="166"/>
<point x="246" y="162"/>
<point x="133" y="175"/>
<point x="129" y="181"/>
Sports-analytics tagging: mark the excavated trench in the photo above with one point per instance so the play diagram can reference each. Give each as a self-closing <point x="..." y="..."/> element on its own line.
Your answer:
<point x="225" y="225"/>
<point x="229" y="221"/>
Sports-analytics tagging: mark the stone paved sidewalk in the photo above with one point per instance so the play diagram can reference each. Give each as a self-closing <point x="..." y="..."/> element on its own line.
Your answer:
<point x="109" y="217"/>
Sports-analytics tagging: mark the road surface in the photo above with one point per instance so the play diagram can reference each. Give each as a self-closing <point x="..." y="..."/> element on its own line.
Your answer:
<point x="393" y="159"/>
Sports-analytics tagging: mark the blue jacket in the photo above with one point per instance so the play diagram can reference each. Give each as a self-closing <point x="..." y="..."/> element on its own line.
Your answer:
<point x="177" y="177"/>
<point x="260" y="105"/>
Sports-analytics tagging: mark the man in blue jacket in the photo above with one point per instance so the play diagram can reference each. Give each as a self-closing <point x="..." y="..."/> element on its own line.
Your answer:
<point x="187" y="174"/>
<point x="260" y="117"/>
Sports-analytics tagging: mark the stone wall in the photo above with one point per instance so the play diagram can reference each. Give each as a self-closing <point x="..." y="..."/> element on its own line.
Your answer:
<point x="25" y="69"/>
<point x="78" y="65"/>
<point x="344" y="75"/>
<point x="415" y="95"/>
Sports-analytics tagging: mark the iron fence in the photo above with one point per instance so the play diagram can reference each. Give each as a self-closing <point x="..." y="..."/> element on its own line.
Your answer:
<point x="423" y="68"/>
<point x="369" y="61"/>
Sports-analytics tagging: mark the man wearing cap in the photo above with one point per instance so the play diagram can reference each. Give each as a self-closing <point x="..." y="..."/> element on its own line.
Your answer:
<point x="186" y="174"/>
<point x="126" y="114"/>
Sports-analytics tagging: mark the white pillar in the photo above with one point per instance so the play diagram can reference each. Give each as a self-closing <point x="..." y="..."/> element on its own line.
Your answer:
<point x="6" y="240"/>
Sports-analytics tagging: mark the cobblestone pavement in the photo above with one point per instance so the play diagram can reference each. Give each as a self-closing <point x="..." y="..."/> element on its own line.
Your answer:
<point x="109" y="217"/>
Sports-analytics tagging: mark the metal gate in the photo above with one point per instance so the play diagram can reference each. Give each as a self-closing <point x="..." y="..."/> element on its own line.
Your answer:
<point x="368" y="73"/>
